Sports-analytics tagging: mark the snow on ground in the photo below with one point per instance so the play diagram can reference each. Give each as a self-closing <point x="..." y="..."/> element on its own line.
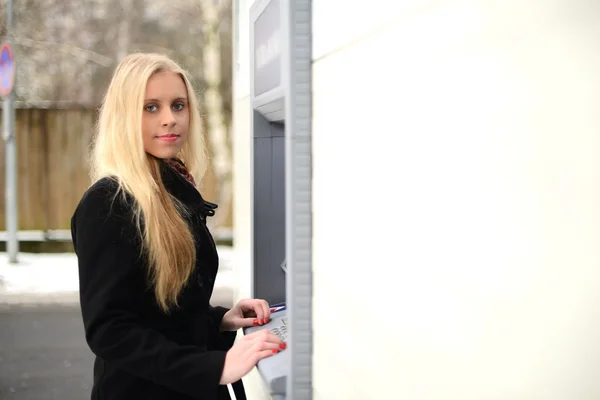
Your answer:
<point x="54" y="276"/>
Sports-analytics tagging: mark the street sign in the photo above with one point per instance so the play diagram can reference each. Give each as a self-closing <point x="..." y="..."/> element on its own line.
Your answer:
<point x="7" y="70"/>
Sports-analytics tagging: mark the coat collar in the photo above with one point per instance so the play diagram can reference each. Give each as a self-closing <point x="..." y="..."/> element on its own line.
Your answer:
<point x="182" y="189"/>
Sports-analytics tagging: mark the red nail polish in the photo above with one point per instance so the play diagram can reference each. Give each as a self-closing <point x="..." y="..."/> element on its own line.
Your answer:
<point x="255" y="322"/>
<point x="274" y="351"/>
<point x="282" y="346"/>
<point x="266" y="320"/>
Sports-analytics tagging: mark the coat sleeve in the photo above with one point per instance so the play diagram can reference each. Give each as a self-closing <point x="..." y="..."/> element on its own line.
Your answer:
<point x="109" y="283"/>
<point x="221" y="340"/>
<point x="216" y="314"/>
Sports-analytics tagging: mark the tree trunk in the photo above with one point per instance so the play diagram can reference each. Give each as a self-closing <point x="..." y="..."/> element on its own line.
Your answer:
<point x="216" y="129"/>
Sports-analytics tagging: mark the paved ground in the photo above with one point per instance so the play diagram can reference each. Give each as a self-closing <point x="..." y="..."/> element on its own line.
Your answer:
<point x="43" y="354"/>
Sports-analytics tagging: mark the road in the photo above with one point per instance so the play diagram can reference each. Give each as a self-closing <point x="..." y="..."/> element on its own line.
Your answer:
<point x="43" y="354"/>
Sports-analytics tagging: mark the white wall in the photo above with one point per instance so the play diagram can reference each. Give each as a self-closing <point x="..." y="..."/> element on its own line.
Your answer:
<point x="255" y="387"/>
<point x="456" y="200"/>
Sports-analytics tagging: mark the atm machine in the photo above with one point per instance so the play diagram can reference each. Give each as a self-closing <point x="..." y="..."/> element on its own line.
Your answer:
<point x="281" y="98"/>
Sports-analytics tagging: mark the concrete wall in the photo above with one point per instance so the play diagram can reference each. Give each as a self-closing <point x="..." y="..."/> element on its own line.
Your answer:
<point x="474" y="272"/>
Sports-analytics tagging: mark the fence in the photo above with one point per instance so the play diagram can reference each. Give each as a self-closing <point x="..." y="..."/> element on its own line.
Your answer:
<point x="52" y="171"/>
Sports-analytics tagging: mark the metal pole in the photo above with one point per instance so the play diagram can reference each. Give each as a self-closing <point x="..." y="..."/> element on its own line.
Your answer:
<point x="8" y="113"/>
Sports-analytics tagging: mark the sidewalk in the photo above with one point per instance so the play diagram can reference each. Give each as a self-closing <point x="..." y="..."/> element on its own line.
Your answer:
<point x="53" y="278"/>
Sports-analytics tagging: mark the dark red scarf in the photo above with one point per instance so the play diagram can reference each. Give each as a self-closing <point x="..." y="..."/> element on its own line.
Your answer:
<point x="180" y="167"/>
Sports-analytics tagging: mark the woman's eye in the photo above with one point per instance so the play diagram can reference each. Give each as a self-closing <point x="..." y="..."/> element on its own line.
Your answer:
<point x="178" y="106"/>
<point x="150" y="108"/>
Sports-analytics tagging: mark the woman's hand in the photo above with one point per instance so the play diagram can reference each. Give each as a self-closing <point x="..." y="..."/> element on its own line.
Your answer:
<point x="246" y="352"/>
<point x="247" y="312"/>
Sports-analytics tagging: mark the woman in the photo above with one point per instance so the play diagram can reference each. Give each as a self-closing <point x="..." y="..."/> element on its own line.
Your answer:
<point x="147" y="262"/>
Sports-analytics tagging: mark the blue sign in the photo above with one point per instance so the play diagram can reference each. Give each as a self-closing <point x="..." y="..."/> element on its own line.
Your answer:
<point x="7" y="70"/>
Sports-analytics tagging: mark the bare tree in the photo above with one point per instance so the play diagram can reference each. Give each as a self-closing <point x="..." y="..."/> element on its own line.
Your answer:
<point x="66" y="52"/>
<point x="213" y="12"/>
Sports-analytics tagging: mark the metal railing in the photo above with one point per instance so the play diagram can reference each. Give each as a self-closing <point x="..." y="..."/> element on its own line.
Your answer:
<point x="64" y="235"/>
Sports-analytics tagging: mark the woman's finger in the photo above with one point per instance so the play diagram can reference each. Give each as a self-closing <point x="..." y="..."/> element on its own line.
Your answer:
<point x="271" y="342"/>
<point x="260" y="313"/>
<point x="272" y="346"/>
<point x="266" y="310"/>
<point x="248" y="322"/>
<point x="264" y="336"/>
<point x="273" y="338"/>
<point x="256" y="357"/>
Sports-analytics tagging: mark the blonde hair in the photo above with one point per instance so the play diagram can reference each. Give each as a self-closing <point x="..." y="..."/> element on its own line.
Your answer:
<point x="118" y="153"/>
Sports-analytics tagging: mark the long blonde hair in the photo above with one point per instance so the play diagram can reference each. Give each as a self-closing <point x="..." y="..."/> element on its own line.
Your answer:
<point x="118" y="153"/>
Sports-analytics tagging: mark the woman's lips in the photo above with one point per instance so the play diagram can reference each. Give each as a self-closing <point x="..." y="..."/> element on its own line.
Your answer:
<point x="170" y="137"/>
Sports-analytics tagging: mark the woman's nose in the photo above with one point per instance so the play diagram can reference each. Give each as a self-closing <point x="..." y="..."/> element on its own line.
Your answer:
<point x="168" y="118"/>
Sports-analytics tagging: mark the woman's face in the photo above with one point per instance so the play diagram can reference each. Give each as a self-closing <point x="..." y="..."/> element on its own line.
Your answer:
<point x="166" y="115"/>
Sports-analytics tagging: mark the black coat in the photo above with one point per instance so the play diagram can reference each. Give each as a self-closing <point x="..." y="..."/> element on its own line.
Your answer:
<point x="141" y="352"/>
